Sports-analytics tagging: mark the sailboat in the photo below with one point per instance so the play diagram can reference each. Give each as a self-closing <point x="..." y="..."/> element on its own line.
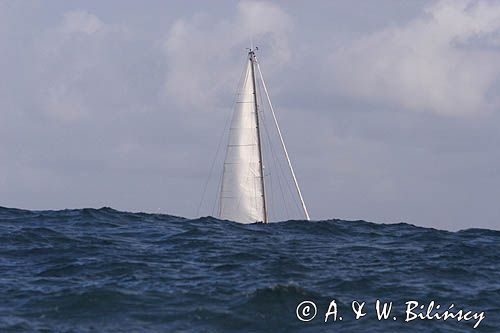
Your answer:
<point x="242" y="196"/>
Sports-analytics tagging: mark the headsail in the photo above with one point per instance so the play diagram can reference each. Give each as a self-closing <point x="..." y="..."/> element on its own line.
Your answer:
<point x="242" y="196"/>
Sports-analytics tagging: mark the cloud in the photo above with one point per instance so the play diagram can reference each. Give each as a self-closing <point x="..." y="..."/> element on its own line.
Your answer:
<point x="66" y="55"/>
<point x="205" y="54"/>
<point x="79" y="21"/>
<point x="126" y="109"/>
<point x="86" y="66"/>
<point x="433" y="63"/>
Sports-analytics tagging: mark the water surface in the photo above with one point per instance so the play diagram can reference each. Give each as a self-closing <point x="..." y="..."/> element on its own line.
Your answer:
<point x="102" y="270"/>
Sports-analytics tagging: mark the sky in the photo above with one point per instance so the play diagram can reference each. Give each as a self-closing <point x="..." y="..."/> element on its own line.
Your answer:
<point x="390" y="109"/>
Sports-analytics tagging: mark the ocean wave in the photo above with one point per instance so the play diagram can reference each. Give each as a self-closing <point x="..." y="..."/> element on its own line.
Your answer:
<point x="101" y="269"/>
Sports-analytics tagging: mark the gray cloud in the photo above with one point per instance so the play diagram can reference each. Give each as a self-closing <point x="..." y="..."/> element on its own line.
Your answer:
<point x="204" y="52"/>
<point x="390" y="111"/>
<point x="428" y="63"/>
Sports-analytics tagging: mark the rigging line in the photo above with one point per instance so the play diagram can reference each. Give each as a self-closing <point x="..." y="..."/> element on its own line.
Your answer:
<point x="219" y="190"/>
<point x="210" y="173"/>
<point x="279" y="167"/>
<point x="290" y="192"/>
<point x="282" y="142"/>
<point x="266" y="147"/>
<point x="286" y="209"/>
<point x="215" y="156"/>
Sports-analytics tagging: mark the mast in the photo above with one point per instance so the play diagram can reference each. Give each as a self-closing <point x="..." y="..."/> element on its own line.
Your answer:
<point x="251" y="56"/>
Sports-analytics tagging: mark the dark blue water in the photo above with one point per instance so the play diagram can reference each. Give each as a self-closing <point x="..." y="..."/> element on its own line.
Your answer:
<point x="108" y="271"/>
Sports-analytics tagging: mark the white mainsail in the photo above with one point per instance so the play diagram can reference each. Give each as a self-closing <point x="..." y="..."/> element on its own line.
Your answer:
<point x="242" y="190"/>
